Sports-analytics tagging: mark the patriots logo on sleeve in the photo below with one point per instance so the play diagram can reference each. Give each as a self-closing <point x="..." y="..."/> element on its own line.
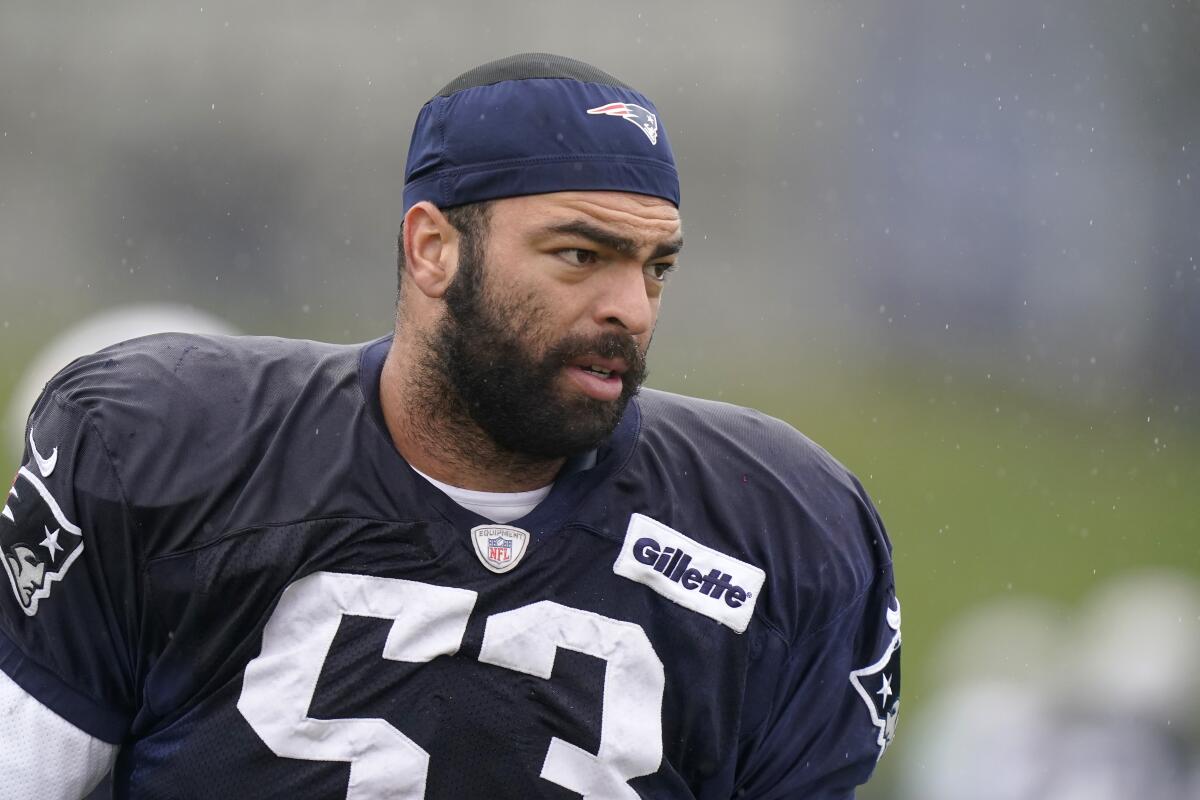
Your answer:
<point x="879" y="684"/>
<point x="37" y="540"/>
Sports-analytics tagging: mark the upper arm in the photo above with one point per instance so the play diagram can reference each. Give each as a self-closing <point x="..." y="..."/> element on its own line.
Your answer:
<point x="67" y="605"/>
<point x="834" y="693"/>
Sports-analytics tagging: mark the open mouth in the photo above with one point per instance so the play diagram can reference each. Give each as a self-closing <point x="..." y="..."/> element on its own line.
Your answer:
<point x="599" y="379"/>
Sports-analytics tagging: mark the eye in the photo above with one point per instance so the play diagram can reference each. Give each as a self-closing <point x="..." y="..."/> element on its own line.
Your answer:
<point x="578" y="256"/>
<point x="659" y="272"/>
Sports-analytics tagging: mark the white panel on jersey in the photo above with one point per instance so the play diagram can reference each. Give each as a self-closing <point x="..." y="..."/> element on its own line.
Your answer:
<point x="427" y="621"/>
<point x="42" y="755"/>
<point x="691" y="574"/>
<point x="527" y="639"/>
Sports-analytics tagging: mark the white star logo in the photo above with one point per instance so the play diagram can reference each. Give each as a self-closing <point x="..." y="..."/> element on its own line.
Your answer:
<point x="886" y="690"/>
<point x="51" y="541"/>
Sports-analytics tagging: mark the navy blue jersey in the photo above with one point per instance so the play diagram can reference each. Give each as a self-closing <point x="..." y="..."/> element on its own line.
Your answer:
<point x="218" y="559"/>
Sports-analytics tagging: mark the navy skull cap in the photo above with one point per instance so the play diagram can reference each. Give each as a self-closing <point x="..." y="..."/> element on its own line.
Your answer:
<point x="536" y="123"/>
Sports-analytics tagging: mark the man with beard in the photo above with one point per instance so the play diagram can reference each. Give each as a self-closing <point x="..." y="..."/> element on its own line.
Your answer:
<point x="469" y="559"/>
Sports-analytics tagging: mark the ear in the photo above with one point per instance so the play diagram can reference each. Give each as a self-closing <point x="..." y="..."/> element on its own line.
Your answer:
<point x="430" y="249"/>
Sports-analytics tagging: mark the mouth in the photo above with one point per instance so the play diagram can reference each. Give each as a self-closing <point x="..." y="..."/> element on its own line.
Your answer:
<point x="602" y="367"/>
<point x="599" y="378"/>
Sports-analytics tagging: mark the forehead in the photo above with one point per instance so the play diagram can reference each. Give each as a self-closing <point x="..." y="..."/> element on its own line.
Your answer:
<point x="644" y="219"/>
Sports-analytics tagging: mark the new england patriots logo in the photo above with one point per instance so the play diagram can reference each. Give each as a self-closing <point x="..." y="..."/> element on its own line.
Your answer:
<point x="38" y="543"/>
<point x="644" y="118"/>
<point x="879" y="684"/>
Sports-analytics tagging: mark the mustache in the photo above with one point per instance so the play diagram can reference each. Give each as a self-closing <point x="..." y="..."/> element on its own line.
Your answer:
<point x="605" y="345"/>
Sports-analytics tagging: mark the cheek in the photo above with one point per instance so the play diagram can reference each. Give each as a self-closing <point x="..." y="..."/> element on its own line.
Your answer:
<point x="524" y="317"/>
<point x="655" y="308"/>
<point x="544" y="312"/>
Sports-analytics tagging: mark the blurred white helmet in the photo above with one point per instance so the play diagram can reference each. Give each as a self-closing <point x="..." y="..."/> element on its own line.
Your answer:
<point x="1137" y="649"/>
<point x="1034" y="705"/>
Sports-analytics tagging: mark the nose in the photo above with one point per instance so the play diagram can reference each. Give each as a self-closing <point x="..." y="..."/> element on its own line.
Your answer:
<point x="624" y="299"/>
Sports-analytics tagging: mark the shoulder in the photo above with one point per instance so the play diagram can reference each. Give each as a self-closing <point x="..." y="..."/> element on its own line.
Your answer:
<point x="187" y="371"/>
<point x="773" y="497"/>
<point x="712" y="421"/>
<point x="192" y="383"/>
<point x="176" y="412"/>
<point x="726" y="436"/>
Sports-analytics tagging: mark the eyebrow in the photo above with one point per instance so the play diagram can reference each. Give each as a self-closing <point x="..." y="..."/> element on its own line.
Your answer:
<point x="620" y="244"/>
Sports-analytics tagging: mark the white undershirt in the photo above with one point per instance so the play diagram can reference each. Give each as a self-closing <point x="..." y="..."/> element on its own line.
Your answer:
<point x="501" y="507"/>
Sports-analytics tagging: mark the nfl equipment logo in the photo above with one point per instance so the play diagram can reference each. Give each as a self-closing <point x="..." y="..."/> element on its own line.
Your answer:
<point x="499" y="547"/>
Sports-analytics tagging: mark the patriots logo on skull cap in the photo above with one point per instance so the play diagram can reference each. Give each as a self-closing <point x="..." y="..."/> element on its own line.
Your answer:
<point x="644" y="118"/>
<point x="549" y="140"/>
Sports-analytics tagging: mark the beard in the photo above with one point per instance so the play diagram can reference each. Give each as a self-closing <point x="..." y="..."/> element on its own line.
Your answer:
<point x="501" y="370"/>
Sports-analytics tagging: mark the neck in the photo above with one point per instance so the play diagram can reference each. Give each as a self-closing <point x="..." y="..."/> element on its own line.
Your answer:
<point x="434" y="433"/>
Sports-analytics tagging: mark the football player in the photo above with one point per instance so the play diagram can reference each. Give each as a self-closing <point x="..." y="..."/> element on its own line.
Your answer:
<point x="465" y="560"/>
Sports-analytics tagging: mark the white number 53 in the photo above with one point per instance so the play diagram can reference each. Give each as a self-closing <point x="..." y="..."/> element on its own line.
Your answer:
<point x="430" y="621"/>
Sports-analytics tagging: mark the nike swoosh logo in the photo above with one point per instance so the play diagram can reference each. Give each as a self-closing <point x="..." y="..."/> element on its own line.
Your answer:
<point x="893" y="616"/>
<point x="44" y="465"/>
<point x="7" y="512"/>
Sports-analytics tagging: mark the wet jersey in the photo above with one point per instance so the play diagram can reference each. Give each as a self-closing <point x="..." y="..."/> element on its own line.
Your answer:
<point x="217" y="559"/>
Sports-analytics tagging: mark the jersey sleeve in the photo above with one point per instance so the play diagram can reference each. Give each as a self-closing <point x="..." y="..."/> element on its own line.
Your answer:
<point x="833" y="695"/>
<point x="43" y="755"/>
<point x="67" y="599"/>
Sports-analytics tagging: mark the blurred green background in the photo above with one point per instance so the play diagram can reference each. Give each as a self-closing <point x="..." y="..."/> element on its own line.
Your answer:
<point x="955" y="243"/>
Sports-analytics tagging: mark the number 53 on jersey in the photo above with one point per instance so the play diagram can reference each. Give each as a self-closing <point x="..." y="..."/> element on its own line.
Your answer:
<point x="428" y="621"/>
